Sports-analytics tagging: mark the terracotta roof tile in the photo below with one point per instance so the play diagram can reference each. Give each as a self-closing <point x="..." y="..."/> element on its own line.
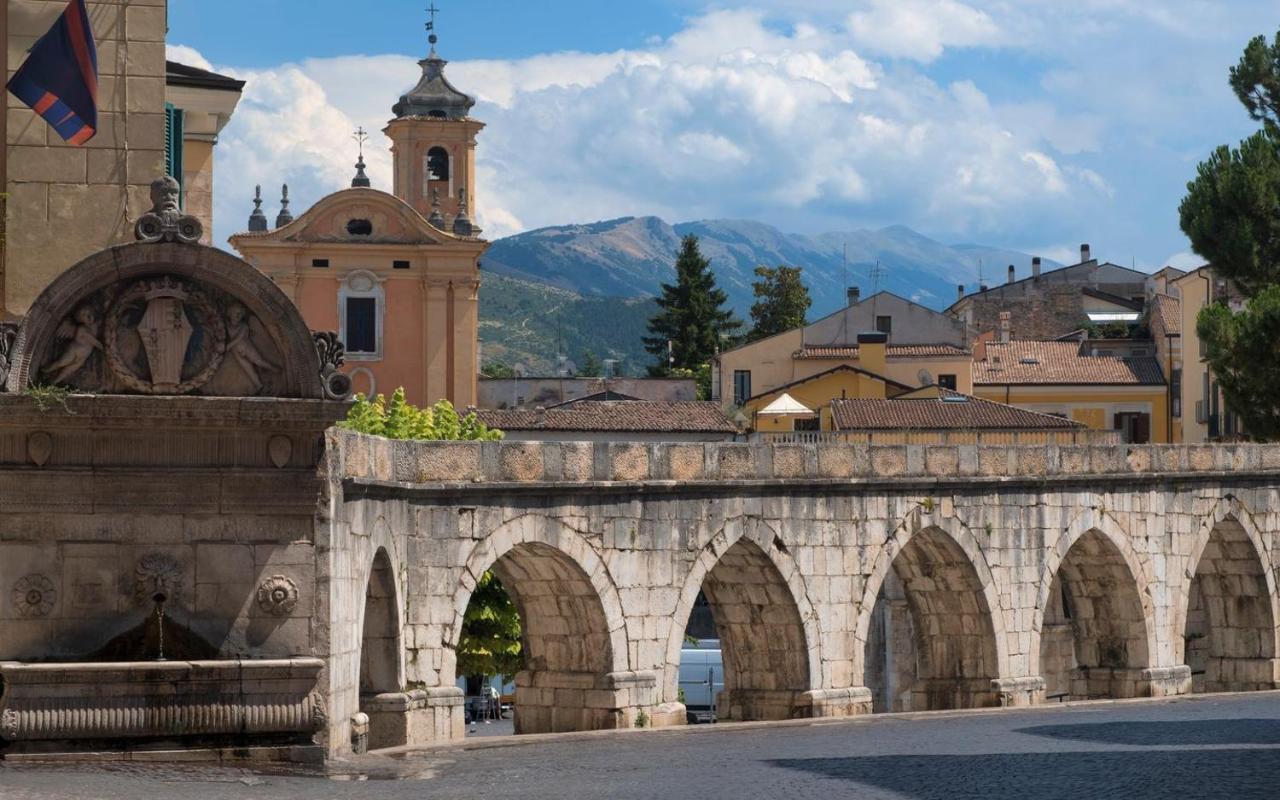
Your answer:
<point x="1168" y="310"/>
<point x="1041" y="362"/>
<point x="951" y="411"/>
<point x="624" y="416"/>
<point x="893" y="351"/>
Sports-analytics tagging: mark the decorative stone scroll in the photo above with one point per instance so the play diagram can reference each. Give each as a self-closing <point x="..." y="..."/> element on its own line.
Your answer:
<point x="332" y="353"/>
<point x="8" y="338"/>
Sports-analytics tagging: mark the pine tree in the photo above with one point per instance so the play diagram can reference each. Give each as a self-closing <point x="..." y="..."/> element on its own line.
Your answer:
<point x="782" y="300"/>
<point x="1231" y="214"/>
<point x="692" y="314"/>
<point x="591" y="366"/>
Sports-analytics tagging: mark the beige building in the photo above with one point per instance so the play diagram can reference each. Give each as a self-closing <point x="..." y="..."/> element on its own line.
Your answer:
<point x="198" y="105"/>
<point x="397" y="275"/>
<point x="1205" y="414"/>
<point x="103" y="185"/>
<point x="923" y="347"/>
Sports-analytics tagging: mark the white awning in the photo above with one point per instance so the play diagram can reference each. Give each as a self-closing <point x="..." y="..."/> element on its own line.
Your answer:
<point x="786" y="406"/>
<point x="1114" y="316"/>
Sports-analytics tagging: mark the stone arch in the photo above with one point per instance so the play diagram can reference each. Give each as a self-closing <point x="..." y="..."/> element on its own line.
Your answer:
<point x="1227" y="605"/>
<point x="273" y="317"/>
<point x="1094" y="621"/>
<point x="380" y="677"/>
<point x="767" y="625"/>
<point x="957" y="628"/>
<point x="573" y="630"/>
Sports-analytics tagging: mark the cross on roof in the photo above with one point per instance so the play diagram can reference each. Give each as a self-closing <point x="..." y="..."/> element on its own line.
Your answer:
<point x="361" y="136"/>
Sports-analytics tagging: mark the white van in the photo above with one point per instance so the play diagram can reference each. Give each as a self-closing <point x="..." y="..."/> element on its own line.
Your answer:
<point x="701" y="678"/>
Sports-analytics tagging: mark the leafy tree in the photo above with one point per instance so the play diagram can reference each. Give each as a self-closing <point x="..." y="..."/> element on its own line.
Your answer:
<point x="691" y="314"/>
<point x="497" y="369"/>
<point x="591" y="365"/>
<point x="701" y="378"/>
<point x="1231" y="214"/>
<point x="403" y="420"/>
<point x="490" y="641"/>
<point x="782" y="300"/>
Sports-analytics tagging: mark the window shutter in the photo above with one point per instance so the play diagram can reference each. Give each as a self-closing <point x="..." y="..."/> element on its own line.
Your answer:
<point x="173" y="140"/>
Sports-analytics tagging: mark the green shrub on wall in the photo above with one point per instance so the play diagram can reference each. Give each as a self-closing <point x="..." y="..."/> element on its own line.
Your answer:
<point x="400" y="419"/>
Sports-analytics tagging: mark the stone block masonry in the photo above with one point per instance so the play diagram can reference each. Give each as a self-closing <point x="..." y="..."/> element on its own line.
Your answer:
<point x="1017" y="575"/>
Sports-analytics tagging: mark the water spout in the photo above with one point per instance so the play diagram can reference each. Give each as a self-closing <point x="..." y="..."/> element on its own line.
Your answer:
<point x="159" y="599"/>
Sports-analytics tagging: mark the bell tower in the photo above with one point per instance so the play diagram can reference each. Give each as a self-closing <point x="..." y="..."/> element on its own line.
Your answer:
<point x="433" y="143"/>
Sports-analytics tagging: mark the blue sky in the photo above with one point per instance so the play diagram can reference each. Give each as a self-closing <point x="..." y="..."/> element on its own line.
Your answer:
<point x="1030" y="124"/>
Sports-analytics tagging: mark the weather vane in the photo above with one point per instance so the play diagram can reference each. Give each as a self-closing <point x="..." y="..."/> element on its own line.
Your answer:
<point x="361" y="136"/>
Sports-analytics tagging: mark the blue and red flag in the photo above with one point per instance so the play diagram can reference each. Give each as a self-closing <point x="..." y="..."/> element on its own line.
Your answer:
<point x="59" y="79"/>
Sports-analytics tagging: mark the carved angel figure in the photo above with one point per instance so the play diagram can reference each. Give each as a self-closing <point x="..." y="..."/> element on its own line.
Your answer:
<point x="241" y="347"/>
<point x="81" y="335"/>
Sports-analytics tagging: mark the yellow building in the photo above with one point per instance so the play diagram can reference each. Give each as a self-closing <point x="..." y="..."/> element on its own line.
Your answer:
<point x="1165" y="319"/>
<point x="1205" y="414"/>
<point x="922" y="347"/>
<point x="397" y="275"/>
<point x="198" y="105"/>
<point x="814" y="393"/>
<point x="1081" y="382"/>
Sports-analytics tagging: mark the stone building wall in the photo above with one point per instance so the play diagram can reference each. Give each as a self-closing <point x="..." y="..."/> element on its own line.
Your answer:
<point x="66" y="202"/>
<point x="608" y="545"/>
<point x="1038" y="311"/>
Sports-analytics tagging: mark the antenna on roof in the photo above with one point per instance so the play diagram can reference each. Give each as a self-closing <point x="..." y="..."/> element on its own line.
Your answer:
<point x="877" y="272"/>
<point x="844" y="279"/>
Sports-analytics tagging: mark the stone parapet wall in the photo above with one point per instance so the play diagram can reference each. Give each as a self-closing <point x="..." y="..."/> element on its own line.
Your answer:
<point x="803" y="553"/>
<point x="566" y="464"/>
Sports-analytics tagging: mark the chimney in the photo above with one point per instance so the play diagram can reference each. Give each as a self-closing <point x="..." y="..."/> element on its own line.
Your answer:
<point x="1035" y="267"/>
<point x="1084" y="253"/>
<point x="1006" y="326"/>
<point x="982" y="287"/>
<point x="871" y="351"/>
<point x="960" y="291"/>
<point x="1011" y="273"/>
<point x="854" y="294"/>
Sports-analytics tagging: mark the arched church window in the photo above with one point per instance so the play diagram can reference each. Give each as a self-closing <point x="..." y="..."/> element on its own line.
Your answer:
<point x="437" y="164"/>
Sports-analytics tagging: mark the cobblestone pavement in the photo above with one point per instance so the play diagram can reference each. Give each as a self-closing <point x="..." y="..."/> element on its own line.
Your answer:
<point x="1205" y="747"/>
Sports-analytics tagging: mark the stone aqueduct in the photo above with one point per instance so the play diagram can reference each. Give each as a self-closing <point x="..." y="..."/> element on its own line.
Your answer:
<point x="842" y="579"/>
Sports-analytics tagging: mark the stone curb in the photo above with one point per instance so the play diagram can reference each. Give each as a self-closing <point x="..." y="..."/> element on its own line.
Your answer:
<point x="861" y="720"/>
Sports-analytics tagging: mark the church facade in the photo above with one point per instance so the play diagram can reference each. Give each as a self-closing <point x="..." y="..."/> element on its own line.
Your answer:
<point x="397" y="274"/>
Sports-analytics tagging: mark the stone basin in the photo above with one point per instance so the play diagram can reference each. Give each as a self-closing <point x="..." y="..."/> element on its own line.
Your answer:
<point x="239" y="699"/>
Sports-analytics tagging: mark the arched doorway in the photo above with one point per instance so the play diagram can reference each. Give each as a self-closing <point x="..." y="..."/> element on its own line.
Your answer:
<point x="931" y="640"/>
<point x="567" y="641"/>
<point x="763" y="645"/>
<point x="381" y="662"/>
<point x="1230" y="632"/>
<point x="1093" y="638"/>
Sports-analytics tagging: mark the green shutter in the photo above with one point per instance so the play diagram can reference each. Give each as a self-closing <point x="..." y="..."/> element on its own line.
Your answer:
<point x="173" y="138"/>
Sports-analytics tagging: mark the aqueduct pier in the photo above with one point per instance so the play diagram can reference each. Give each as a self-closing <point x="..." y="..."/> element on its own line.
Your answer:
<point x="842" y="579"/>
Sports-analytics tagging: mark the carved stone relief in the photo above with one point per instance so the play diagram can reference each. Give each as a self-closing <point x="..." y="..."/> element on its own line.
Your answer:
<point x="164" y="335"/>
<point x="8" y="337"/>
<point x="337" y="385"/>
<point x="34" y="595"/>
<point x="278" y="595"/>
<point x="39" y="448"/>
<point x="156" y="575"/>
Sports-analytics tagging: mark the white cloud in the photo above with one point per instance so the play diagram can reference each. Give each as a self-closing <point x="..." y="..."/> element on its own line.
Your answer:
<point x="921" y="29"/>
<point x="730" y="117"/>
<point x="1184" y="260"/>
<point x="186" y="55"/>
